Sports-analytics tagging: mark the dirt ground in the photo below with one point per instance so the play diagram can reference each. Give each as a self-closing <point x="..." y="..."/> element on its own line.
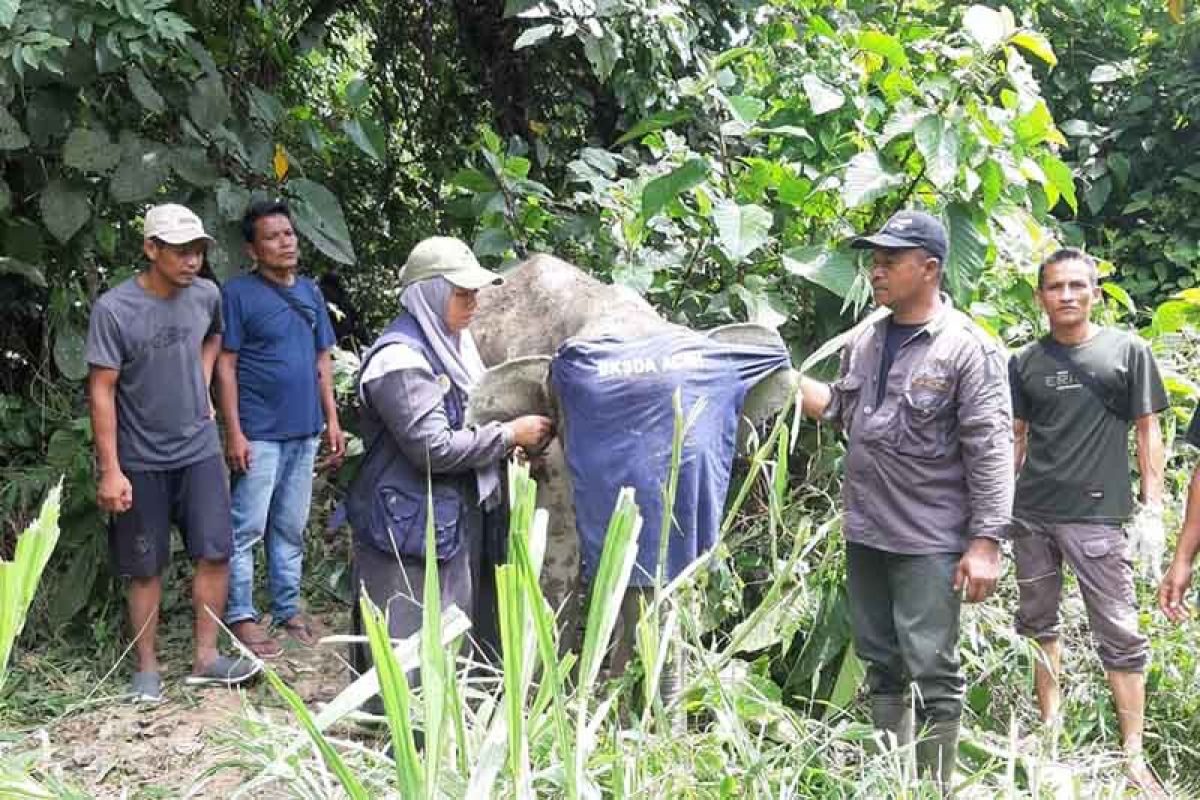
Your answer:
<point x="181" y="747"/>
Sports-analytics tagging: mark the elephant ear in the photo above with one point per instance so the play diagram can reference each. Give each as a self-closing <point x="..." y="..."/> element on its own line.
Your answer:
<point x="511" y="389"/>
<point x="769" y="395"/>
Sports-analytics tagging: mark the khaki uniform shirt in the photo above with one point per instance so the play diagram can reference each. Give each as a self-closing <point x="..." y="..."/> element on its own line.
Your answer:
<point x="931" y="466"/>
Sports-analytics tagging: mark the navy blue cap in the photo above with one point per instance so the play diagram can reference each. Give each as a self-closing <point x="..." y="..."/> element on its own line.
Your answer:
<point x="908" y="229"/>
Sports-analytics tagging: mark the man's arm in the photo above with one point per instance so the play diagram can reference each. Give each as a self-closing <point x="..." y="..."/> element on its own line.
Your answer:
<point x="237" y="447"/>
<point x="1020" y="444"/>
<point x="985" y="438"/>
<point x="333" y="429"/>
<point x="113" y="491"/>
<point x="1150" y="457"/>
<point x="1179" y="577"/>
<point x="209" y="350"/>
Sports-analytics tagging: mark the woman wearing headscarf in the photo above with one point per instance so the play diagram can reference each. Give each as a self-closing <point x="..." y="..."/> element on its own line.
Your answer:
<point x="414" y="384"/>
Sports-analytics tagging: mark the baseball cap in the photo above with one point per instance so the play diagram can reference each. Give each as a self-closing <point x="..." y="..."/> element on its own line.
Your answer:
<point x="173" y="224"/>
<point x="449" y="258"/>
<point x="908" y="229"/>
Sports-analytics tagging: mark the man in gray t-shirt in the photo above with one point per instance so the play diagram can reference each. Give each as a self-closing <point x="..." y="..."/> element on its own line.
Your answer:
<point x="152" y="343"/>
<point x="1076" y="394"/>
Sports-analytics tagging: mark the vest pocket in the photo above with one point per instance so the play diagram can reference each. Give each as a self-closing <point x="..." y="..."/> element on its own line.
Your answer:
<point x="924" y="429"/>
<point x="404" y="514"/>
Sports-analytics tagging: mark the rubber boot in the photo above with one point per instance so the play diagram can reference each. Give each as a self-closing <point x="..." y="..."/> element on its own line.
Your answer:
<point x="937" y="750"/>
<point x="891" y="715"/>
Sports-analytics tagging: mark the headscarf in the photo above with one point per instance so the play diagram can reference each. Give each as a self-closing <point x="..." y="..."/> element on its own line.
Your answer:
<point x="426" y="300"/>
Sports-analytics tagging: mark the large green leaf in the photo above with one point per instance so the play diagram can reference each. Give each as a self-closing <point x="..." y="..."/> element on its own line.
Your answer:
<point x="987" y="26"/>
<point x="866" y="179"/>
<point x="967" y="253"/>
<point x="64" y="209"/>
<point x="1037" y="44"/>
<point x="834" y="270"/>
<point x="741" y="229"/>
<point x="666" y="188"/>
<point x="48" y="116"/>
<point x="264" y="107"/>
<point x="144" y="92"/>
<point x="991" y="178"/>
<point x="69" y="353"/>
<point x="368" y="136"/>
<point x="231" y="200"/>
<point x="821" y="96"/>
<point x="11" y="135"/>
<point x="318" y="217"/>
<point x="8" y="12"/>
<point x="144" y="168"/>
<point x="884" y="44"/>
<point x="937" y="141"/>
<point x="1037" y="126"/>
<point x="1059" y="175"/>
<point x="192" y="164"/>
<point x="208" y="104"/>
<point x="90" y="150"/>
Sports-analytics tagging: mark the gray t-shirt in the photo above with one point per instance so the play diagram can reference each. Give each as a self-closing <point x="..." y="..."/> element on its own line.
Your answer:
<point x="164" y="418"/>
<point x="1077" y="456"/>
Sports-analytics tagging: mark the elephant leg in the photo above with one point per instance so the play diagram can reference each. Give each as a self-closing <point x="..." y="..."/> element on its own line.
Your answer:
<point x="560" y="578"/>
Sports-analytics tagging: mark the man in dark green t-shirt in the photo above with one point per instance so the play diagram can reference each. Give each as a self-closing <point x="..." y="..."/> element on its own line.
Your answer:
<point x="1076" y="393"/>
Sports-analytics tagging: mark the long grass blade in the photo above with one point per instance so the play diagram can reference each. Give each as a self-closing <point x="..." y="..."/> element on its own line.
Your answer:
<point x="397" y="702"/>
<point x="19" y="578"/>
<point x="350" y="783"/>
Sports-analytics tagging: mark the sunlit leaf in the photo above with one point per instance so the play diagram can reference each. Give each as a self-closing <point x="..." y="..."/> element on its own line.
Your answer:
<point x="866" y="179"/>
<point x="885" y="45"/>
<point x="821" y="96"/>
<point x="1037" y="44"/>
<point x="937" y="141"/>
<point x="741" y="229"/>
<point x="532" y="36"/>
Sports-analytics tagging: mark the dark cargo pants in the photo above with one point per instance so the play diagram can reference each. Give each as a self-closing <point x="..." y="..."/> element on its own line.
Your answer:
<point x="904" y="613"/>
<point x="1099" y="556"/>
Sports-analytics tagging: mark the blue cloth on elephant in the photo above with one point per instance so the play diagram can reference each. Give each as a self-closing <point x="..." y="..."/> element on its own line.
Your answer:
<point x="619" y="419"/>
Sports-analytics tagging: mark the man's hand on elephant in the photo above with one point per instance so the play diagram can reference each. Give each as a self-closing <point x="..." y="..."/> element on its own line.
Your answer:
<point x="531" y="431"/>
<point x="978" y="570"/>
<point x="1172" y="592"/>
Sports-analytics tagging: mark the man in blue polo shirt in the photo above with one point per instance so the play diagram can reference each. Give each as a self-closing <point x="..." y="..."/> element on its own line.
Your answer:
<point x="276" y="383"/>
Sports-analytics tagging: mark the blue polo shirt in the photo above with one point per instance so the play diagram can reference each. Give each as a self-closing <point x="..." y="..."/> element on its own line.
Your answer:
<point x="277" y="349"/>
<point x="616" y="398"/>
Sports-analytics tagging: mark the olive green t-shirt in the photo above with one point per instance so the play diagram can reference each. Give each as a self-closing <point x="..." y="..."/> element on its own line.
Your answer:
<point x="1077" y="464"/>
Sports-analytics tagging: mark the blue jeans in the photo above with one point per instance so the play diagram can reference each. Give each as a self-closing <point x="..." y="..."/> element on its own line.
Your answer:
<point x="271" y="499"/>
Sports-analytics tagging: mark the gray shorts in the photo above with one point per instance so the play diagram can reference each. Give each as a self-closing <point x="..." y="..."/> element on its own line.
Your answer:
<point x="195" y="498"/>
<point x="1099" y="557"/>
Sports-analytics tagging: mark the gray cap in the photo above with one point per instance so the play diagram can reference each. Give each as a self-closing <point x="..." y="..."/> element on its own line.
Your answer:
<point x="449" y="258"/>
<point x="907" y="229"/>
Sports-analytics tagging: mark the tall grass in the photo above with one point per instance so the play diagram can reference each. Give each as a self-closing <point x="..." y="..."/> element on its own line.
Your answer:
<point x="19" y="577"/>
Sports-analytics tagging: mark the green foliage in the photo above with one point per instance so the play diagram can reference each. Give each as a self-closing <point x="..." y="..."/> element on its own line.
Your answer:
<point x="774" y="152"/>
<point x="1127" y="87"/>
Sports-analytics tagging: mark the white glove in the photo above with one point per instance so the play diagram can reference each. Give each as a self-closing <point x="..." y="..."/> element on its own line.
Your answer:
<point x="1148" y="539"/>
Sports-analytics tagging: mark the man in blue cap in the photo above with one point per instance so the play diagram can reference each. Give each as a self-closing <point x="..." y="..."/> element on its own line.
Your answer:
<point x="923" y="400"/>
